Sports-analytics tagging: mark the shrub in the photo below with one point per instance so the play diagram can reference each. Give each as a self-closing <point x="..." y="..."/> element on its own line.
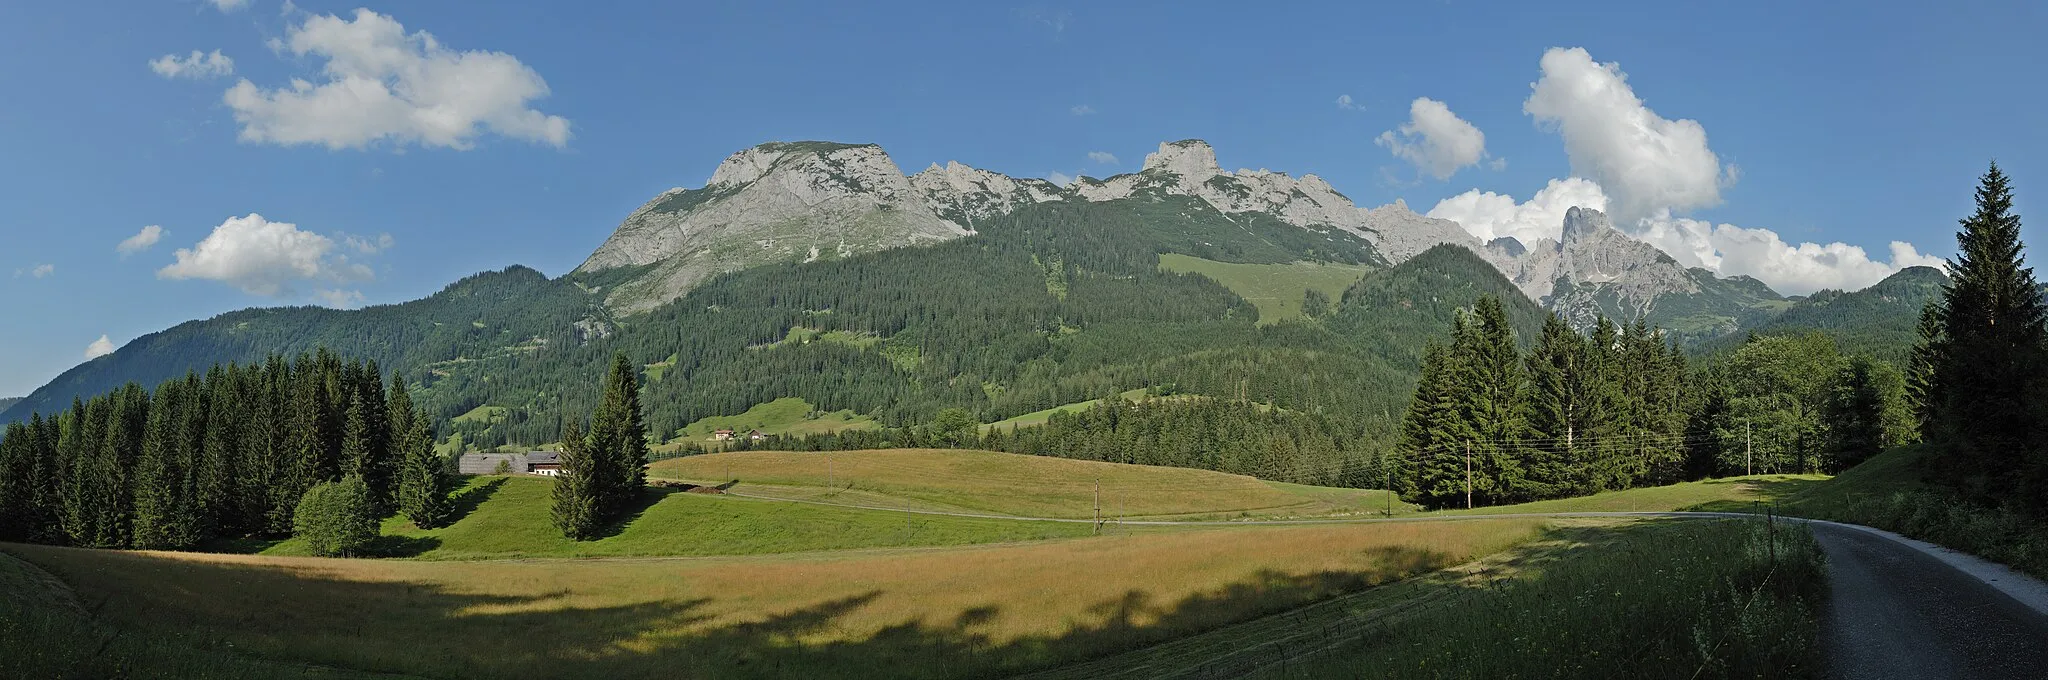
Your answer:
<point x="336" y="519"/>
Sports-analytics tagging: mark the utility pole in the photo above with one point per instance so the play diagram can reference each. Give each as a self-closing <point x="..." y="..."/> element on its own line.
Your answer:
<point x="1098" y="505"/>
<point x="1468" y="475"/>
<point x="1748" y="449"/>
<point x="1388" y="472"/>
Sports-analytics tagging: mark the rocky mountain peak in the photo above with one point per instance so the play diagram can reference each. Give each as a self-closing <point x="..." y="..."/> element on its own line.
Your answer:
<point x="1192" y="159"/>
<point x="965" y="194"/>
<point x="1582" y="223"/>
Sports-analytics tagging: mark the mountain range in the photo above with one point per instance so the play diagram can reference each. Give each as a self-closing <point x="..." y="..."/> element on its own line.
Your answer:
<point x="820" y="270"/>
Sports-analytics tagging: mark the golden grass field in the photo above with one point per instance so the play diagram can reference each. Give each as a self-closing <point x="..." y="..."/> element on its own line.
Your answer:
<point x="1014" y="484"/>
<point x="954" y="612"/>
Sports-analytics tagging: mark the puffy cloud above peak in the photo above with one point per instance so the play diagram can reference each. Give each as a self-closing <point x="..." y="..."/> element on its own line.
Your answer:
<point x="1646" y="162"/>
<point x="99" y="348"/>
<point x="382" y="84"/>
<point x="1436" y="141"/>
<point x="1488" y="215"/>
<point x="1793" y="269"/>
<point x="261" y="257"/>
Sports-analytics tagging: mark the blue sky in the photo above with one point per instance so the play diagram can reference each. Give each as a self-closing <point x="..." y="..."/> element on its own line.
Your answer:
<point x="1833" y="123"/>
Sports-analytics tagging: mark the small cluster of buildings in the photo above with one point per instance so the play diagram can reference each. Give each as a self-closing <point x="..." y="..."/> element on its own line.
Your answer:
<point x="729" y="435"/>
<point x="543" y="463"/>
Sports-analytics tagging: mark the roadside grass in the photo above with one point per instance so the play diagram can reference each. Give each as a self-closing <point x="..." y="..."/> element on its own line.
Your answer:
<point x="986" y="482"/>
<point x="45" y="633"/>
<point x="1888" y="492"/>
<point x="507" y="517"/>
<point x="785" y="416"/>
<point x="935" y="613"/>
<point x="1657" y="599"/>
<point x="1735" y="494"/>
<point x="1275" y="289"/>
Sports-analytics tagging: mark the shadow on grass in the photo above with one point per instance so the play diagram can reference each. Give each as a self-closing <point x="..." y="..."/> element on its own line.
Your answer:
<point x="301" y="611"/>
<point x="1767" y="491"/>
<point x="468" y="500"/>
<point x="400" y="546"/>
<point x="649" y="495"/>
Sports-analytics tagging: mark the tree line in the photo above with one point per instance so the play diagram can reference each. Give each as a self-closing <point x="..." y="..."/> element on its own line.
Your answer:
<point x="604" y="462"/>
<point x="1619" y="407"/>
<point x="229" y="453"/>
<point x="1205" y="433"/>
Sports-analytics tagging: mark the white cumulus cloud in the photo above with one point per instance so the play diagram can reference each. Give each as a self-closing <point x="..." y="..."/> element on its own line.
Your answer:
<point x="230" y="5"/>
<point x="261" y="257"/>
<point x="381" y="84"/>
<point x="141" y="241"/>
<point x="1791" y="268"/>
<point x="99" y="348"/>
<point x="1059" y="178"/>
<point x="195" y="65"/>
<point x="39" y="271"/>
<point x="1345" y="102"/>
<point x="1646" y="162"/>
<point x="339" y="299"/>
<point x="1488" y="215"/>
<point x="1081" y="110"/>
<point x="1102" y="157"/>
<point x="1436" y="141"/>
<point x="367" y="245"/>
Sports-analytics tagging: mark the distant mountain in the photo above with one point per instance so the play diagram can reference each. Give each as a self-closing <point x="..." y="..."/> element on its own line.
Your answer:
<point x="1881" y="321"/>
<point x="445" y="342"/>
<point x="6" y="402"/>
<point x="1596" y="270"/>
<point x="820" y="271"/>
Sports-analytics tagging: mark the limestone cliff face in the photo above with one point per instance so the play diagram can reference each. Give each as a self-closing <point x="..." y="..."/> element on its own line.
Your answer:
<point x="803" y="201"/>
<point x="771" y="203"/>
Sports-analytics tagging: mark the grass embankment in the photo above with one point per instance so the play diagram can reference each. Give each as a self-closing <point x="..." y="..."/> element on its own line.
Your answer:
<point x="985" y="482"/>
<point x="501" y="517"/>
<point x="1889" y="492"/>
<point x="1660" y="599"/>
<point x="961" y="612"/>
<point x="1275" y="289"/>
<point x="790" y="416"/>
<point x="1736" y="494"/>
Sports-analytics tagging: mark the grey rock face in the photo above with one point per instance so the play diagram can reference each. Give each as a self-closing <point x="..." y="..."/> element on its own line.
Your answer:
<point x="771" y="203"/>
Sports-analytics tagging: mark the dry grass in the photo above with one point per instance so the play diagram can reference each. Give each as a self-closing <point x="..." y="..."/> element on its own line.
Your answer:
<point x="1013" y="484"/>
<point x="962" y="612"/>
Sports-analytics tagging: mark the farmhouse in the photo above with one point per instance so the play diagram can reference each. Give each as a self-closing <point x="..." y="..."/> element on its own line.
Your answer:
<point x="756" y="435"/>
<point x="545" y="463"/>
<point x="722" y="435"/>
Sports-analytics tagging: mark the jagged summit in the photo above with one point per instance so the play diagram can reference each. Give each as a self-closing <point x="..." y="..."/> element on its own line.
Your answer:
<point x="809" y="200"/>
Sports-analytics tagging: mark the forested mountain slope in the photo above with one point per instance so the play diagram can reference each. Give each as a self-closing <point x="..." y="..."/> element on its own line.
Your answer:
<point x="1880" y="321"/>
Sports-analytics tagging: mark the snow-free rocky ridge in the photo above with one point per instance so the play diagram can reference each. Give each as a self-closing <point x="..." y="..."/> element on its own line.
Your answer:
<point x="805" y="201"/>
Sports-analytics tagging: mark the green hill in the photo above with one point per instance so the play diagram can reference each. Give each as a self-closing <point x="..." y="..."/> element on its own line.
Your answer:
<point x="1881" y="321"/>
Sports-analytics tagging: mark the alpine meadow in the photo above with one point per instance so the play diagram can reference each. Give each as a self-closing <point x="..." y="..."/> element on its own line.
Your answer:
<point x="1116" y="411"/>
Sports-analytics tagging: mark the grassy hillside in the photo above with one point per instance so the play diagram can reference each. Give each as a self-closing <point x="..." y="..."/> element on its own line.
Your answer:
<point x="786" y="416"/>
<point x="1012" y="484"/>
<point x="960" y="612"/>
<point x="1039" y="417"/>
<point x="504" y="517"/>
<point x="1275" y="289"/>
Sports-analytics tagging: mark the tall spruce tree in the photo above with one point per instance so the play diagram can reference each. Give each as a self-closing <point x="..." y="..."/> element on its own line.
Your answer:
<point x="618" y="438"/>
<point x="577" y="510"/>
<point x="1562" y="397"/>
<point x="1987" y="363"/>
<point x="163" y="516"/>
<point x="1424" y="459"/>
<point x="1492" y="418"/>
